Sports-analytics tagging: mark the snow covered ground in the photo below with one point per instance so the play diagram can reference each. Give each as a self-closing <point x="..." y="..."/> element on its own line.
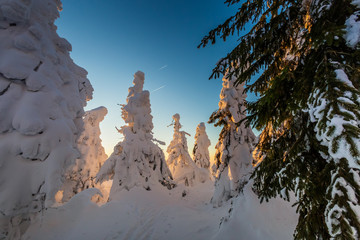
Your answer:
<point x="166" y="214"/>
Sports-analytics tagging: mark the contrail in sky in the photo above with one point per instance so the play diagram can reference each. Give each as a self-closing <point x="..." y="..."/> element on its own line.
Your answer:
<point x="163" y="67"/>
<point x="159" y="88"/>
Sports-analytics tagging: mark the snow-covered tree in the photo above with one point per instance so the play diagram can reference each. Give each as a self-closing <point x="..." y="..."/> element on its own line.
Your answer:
<point x="137" y="160"/>
<point x="42" y="95"/>
<point x="233" y="159"/>
<point x="308" y="55"/>
<point x="183" y="168"/>
<point x="82" y="175"/>
<point x="201" y="147"/>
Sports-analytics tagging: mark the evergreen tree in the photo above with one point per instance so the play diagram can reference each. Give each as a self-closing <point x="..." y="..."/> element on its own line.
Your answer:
<point x="307" y="52"/>
<point x="42" y="95"/>
<point x="137" y="160"/>
<point x="82" y="174"/>
<point x="233" y="159"/>
<point x="180" y="163"/>
<point x="201" y="147"/>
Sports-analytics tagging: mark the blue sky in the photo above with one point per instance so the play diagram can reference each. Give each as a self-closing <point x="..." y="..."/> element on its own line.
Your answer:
<point x="115" y="38"/>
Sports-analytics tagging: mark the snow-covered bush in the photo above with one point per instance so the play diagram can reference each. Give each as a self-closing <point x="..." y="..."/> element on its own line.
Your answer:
<point x="201" y="147"/>
<point x="137" y="160"/>
<point x="42" y="95"/>
<point x="181" y="165"/>
<point x="233" y="159"/>
<point x="82" y="175"/>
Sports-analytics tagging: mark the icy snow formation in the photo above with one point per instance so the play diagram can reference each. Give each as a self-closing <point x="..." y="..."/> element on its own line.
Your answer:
<point x="82" y="175"/>
<point x="137" y="160"/>
<point x="201" y="147"/>
<point x="42" y="95"/>
<point x="233" y="151"/>
<point x="181" y="165"/>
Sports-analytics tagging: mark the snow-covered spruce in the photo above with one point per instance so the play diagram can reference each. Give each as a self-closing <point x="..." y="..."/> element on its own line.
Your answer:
<point x="335" y="111"/>
<point x="42" y="95"/>
<point x="201" y="147"/>
<point x="233" y="159"/>
<point x="137" y="160"/>
<point x="180" y="163"/>
<point x="82" y="175"/>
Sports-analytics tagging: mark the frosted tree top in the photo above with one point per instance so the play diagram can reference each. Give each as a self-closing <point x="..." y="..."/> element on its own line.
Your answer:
<point x="231" y="97"/>
<point x="139" y="78"/>
<point x="137" y="112"/>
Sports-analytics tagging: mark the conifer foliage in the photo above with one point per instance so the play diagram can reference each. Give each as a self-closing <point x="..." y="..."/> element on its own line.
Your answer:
<point x="137" y="160"/>
<point x="233" y="159"/>
<point x="308" y="55"/>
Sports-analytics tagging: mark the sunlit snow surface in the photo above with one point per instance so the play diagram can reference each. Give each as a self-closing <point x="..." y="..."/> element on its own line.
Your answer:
<point x="165" y="214"/>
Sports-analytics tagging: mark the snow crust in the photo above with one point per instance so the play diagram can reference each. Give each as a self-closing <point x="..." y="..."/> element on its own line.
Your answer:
<point x="137" y="160"/>
<point x="183" y="168"/>
<point x="201" y="147"/>
<point x="42" y="95"/>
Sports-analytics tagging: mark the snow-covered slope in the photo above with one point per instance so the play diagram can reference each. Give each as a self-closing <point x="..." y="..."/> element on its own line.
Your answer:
<point x="163" y="214"/>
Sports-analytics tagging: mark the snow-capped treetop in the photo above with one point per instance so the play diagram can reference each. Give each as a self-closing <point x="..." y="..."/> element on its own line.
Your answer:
<point x="200" y="129"/>
<point x="137" y="160"/>
<point x="232" y="109"/>
<point x="95" y="116"/>
<point x="230" y="98"/>
<point x="176" y="119"/>
<point x="201" y="147"/>
<point x="179" y="143"/>
<point x="138" y="82"/>
<point x="136" y="113"/>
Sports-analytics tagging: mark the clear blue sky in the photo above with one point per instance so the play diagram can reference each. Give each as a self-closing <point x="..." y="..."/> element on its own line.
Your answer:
<point x="113" y="39"/>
